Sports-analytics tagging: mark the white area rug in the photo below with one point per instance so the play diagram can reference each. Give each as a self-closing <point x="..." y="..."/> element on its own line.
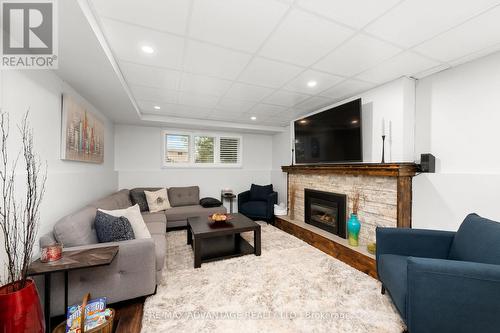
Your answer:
<point x="292" y="287"/>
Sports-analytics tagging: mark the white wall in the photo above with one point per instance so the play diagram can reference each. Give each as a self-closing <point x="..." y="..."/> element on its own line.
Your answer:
<point x="282" y="155"/>
<point x="395" y="103"/>
<point x="458" y="112"/>
<point x="138" y="160"/>
<point x="392" y="102"/>
<point x="70" y="185"/>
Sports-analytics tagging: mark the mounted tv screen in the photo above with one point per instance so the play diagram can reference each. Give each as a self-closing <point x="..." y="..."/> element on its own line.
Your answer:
<point x="331" y="136"/>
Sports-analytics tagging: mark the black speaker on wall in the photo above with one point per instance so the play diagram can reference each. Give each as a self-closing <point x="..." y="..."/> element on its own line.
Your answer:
<point x="427" y="163"/>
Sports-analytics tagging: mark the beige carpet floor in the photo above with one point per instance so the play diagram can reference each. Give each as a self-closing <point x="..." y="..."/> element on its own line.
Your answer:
<point x="292" y="287"/>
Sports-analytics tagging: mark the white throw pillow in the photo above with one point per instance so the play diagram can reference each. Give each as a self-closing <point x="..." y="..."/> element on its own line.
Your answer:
<point x="133" y="215"/>
<point x="157" y="200"/>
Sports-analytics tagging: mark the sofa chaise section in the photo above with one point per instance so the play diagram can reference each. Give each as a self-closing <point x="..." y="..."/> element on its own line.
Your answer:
<point x="137" y="268"/>
<point x="133" y="273"/>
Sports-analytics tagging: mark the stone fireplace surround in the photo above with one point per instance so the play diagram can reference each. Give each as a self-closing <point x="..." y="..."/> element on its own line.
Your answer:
<point x="386" y="188"/>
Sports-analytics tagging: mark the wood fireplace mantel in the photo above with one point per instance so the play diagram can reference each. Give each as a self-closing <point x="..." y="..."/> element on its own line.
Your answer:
<point x="357" y="169"/>
<point x="403" y="172"/>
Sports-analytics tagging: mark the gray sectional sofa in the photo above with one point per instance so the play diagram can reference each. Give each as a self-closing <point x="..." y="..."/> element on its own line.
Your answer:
<point x="137" y="268"/>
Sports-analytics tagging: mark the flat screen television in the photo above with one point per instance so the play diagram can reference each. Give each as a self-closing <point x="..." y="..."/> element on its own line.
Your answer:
<point x="330" y="136"/>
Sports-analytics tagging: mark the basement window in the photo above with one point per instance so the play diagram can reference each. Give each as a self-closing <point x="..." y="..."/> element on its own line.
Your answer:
<point x="201" y="149"/>
<point x="204" y="147"/>
<point x="176" y="148"/>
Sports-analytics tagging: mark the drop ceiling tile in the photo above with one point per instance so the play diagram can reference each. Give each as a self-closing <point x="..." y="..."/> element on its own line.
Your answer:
<point x="266" y="110"/>
<point x="314" y="103"/>
<point x="247" y="92"/>
<point x="269" y="73"/>
<point x="200" y="84"/>
<point x="183" y="111"/>
<point x="224" y="115"/>
<point x="195" y="113"/>
<point x="197" y="100"/>
<point x="482" y="53"/>
<point x="303" y="38"/>
<point x="238" y="24"/>
<point x="245" y="119"/>
<point x="356" y="55"/>
<point x="294" y="113"/>
<point x="210" y="60"/>
<point x="153" y="94"/>
<point x="415" y="21"/>
<point x="280" y="122"/>
<point x="404" y="64"/>
<point x="126" y="41"/>
<point x="175" y="110"/>
<point x="234" y="105"/>
<point x="150" y="76"/>
<point x="346" y="89"/>
<point x="285" y="98"/>
<point x="165" y="15"/>
<point x="479" y="33"/>
<point x="323" y="81"/>
<point x="355" y="13"/>
<point x="149" y="106"/>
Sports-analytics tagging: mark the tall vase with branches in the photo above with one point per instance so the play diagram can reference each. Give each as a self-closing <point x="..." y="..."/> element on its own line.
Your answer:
<point x="354" y="225"/>
<point x="19" y="220"/>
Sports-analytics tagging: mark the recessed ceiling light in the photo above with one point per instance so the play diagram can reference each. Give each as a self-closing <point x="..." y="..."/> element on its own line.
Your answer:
<point x="147" y="49"/>
<point x="312" y="84"/>
<point x="355" y="121"/>
<point x="303" y="121"/>
<point x="156" y="107"/>
<point x="253" y="118"/>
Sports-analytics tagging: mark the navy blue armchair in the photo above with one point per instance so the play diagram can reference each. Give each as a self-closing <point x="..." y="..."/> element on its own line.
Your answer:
<point x="258" y="203"/>
<point x="443" y="281"/>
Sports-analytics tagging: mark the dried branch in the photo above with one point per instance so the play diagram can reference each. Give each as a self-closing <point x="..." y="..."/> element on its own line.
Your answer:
<point x="19" y="220"/>
<point x="357" y="199"/>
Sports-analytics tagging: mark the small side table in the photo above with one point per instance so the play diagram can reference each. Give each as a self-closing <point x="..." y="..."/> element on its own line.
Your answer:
<point x="71" y="260"/>
<point x="230" y="197"/>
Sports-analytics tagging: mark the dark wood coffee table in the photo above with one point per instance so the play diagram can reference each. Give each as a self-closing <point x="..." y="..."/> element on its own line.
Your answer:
<point x="221" y="241"/>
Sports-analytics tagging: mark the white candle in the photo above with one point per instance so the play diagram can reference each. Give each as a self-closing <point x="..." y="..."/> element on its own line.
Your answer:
<point x="383" y="126"/>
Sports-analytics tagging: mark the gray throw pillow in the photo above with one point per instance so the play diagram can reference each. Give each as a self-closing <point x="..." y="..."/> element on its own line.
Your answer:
<point x="138" y="197"/>
<point x="112" y="229"/>
<point x="210" y="202"/>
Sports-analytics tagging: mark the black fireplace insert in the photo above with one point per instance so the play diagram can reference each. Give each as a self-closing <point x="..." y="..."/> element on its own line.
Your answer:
<point x="326" y="210"/>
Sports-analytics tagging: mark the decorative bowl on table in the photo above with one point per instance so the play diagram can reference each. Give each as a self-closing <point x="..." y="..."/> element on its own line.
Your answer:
<point x="218" y="218"/>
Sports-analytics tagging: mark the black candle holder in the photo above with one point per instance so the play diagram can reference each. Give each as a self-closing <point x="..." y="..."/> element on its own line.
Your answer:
<point x="383" y="148"/>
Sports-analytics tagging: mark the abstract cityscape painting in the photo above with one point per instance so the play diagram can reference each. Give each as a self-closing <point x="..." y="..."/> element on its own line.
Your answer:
<point x="82" y="136"/>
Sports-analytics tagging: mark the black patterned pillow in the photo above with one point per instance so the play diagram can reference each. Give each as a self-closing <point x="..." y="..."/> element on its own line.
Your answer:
<point x="112" y="229"/>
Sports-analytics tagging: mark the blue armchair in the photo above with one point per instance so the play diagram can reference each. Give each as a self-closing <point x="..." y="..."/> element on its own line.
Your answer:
<point x="443" y="281"/>
<point x="258" y="202"/>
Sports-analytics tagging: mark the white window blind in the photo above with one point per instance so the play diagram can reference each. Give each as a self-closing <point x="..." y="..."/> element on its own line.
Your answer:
<point x="177" y="148"/>
<point x="204" y="149"/>
<point x="229" y="150"/>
